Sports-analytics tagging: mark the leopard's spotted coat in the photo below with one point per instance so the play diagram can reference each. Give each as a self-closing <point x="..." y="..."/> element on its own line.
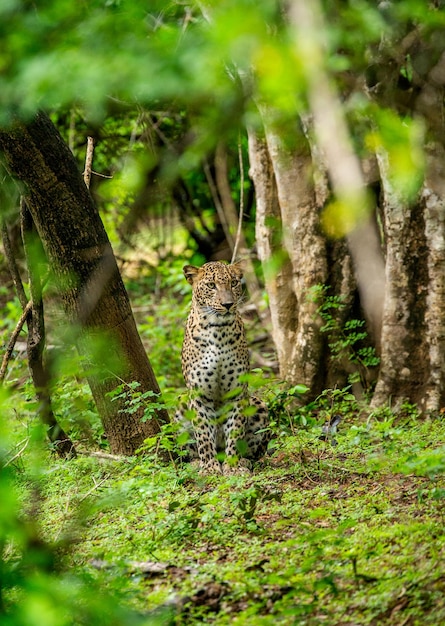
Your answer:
<point x="214" y="356"/>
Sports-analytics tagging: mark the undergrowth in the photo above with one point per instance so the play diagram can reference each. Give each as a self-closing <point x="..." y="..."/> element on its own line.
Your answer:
<point x="341" y="523"/>
<point x="350" y="533"/>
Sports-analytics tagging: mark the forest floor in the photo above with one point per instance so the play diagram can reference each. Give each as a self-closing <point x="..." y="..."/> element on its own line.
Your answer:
<point x="344" y="531"/>
<point x="317" y="534"/>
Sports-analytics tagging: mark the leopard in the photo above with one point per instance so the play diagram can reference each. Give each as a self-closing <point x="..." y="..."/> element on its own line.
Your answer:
<point x="215" y="356"/>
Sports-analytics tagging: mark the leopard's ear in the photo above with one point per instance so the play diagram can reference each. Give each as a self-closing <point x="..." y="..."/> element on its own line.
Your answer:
<point x="238" y="267"/>
<point x="190" y="273"/>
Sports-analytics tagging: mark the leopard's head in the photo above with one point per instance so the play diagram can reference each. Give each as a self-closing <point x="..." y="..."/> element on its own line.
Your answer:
<point x="216" y="286"/>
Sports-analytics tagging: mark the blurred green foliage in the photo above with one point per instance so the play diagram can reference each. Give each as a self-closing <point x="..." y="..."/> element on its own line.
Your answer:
<point x="159" y="84"/>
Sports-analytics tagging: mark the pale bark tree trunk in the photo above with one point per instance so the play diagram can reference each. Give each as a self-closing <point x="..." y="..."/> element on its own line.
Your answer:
<point x="429" y="105"/>
<point x="80" y="254"/>
<point x="276" y="265"/>
<point x="296" y="325"/>
<point x="413" y="334"/>
<point x="307" y="252"/>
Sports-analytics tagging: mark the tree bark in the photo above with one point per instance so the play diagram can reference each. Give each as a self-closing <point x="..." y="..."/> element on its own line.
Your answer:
<point x="430" y="105"/>
<point x="277" y="267"/>
<point x="80" y="254"/>
<point x="286" y="197"/>
<point x="402" y="345"/>
<point x="413" y="333"/>
<point x="433" y="197"/>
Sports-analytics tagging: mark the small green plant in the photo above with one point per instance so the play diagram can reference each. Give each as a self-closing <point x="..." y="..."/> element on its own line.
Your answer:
<point x="332" y="401"/>
<point x="134" y="400"/>
<point x="246" y="503"/>
<point x="76" y="411"/>
<point x="171" y="437"/>
<point x="285" y="407"/>
<point x="347" y="340"/>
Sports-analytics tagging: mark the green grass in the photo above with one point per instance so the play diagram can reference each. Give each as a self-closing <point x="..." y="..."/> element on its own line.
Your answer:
<point x="317" y="534"/>
<point x="351" y="534"/>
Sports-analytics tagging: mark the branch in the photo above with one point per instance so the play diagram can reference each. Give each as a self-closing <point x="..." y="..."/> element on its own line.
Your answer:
<point x="224" y="191"/>
<point x="342" y="164"/>
<point x="241" y="203"/>
<point x="18" y="454"/>
<point x="88" y="162"/>
<point x="218" y="205"/>
<point x="104" y="455"/>
<point x="36" y="342"/>
<point x="12" y="341"/>
<point x="12" y="266"/>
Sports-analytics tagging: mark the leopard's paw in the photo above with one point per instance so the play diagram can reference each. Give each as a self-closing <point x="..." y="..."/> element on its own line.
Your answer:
<point x="208" y="468"/>
<point x="241" y="466"/>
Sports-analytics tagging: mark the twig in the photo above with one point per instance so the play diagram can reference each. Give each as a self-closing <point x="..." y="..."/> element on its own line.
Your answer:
<point x="101" y="175"/>
<point x="88" y="162"/>
<point x="104" y="455"/>
<point x="241" y="202"/>
<point x="225" y="192"/>
<point x="218" y="205"/>
<point x="345" y="469"/>
<point x="93" y="489"/>
<point x="12" y="341"/>
<point x="12" y="266"/>
<point x="72" y="129"/>
<point x="18" y="454"/>
<point x="232" y="220"/>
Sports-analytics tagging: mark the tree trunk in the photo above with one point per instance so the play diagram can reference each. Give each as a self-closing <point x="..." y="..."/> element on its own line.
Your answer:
<point x="413" y="334"/>
<point x="401" y="375"/>
<point x="36" y="342"/>
<point x="80" y="254"/>
<point x="433" y="197"/>
<point x="276" y="265"/>
<point x="430" y="105"/>
<point x="286" y="197"/>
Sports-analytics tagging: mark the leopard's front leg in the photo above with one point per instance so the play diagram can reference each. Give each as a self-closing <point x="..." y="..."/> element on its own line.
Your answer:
<point x="204" y="426"/>
<point x="235" y="437"/>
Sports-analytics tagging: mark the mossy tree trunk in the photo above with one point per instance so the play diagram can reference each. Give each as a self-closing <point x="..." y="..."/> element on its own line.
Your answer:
<point x="80" y="254"/>
<point x="413" y="334"/>
<point x="403" y="370"/>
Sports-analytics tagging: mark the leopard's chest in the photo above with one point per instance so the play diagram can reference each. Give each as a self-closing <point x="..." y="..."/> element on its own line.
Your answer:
<point x="214" y="357"/>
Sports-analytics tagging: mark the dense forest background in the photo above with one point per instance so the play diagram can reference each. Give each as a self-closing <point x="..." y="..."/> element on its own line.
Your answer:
<point x="307" y="139"/>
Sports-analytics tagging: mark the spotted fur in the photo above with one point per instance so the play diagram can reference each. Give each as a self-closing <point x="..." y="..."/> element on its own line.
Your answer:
<point x="214" y="356"/>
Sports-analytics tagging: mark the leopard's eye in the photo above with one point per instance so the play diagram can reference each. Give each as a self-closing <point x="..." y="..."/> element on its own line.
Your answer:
<point x="235" y="282"/>
<point x="211" y="285"/>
